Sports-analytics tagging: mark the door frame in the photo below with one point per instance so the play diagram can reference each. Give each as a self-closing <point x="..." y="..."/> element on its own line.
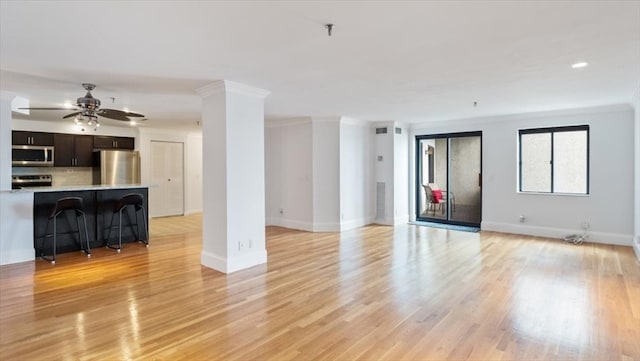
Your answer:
<point x="418" y="175"/>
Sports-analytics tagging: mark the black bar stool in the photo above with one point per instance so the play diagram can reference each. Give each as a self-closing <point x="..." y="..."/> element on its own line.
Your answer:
<point x="137" y="202"/>
<point x="66" y="204"/>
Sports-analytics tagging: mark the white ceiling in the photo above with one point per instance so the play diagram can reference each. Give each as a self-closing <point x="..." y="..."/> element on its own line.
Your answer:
<point x="407" y="61"/>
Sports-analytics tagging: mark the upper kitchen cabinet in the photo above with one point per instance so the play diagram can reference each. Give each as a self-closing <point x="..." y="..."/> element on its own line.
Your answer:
<point x="31" y="138"/>
<point x="73" y="150"/>
<point x="105" y="142"/>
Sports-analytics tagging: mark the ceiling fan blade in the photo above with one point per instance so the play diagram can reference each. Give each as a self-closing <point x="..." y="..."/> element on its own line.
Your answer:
<point x="71" y="115"/>
<point x="113" y="114"/>
<point x="48" y="108"/>
<point x="127" y="114"/>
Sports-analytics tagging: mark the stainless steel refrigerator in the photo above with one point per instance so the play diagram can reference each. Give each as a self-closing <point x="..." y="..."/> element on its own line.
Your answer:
<point x="112" y="167"/>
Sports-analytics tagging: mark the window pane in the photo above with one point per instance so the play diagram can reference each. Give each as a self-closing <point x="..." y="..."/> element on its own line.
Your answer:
<point x="535" y="157"/>
<point x="570" y="162"/>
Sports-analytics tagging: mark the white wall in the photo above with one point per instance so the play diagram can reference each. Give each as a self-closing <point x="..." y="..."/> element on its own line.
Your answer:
<point x="193" y="158"/>
<point x="288" y="175"/>
<point x="318" y="172"/>
<point x="326" y="174"/>
<point x="5" y="139"/>
<point x="608" y="208"/>
<point x="636" y="202"/>
<point x="355" y="174"/>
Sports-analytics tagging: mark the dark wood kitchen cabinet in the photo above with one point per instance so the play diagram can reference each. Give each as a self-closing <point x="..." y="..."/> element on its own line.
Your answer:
<point x="19" y="137"/>
<point x="106" y="142"/>
<point x="73" y="150"/>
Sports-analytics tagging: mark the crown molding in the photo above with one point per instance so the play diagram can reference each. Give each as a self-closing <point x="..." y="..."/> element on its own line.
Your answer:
<point x="354" y="121"/>
<point x="223" y="86"/>
<point x="611" y="108"/>
<point x="287" y="122"/>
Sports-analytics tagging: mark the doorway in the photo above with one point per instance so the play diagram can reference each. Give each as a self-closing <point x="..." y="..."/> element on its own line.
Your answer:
<point x="449" y="178"/>
<point x="166" y="196"/>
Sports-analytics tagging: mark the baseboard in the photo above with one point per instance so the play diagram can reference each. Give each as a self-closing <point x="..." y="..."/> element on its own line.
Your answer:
<point x="288" y="223"/>
<point x="401" y="220"/>
<point x="636" y="247"/>
<point x="18" y="256"/>
<point x="232" y="264"/>
<point x="326" y="227"/>
<point x="550" y="232"/>
<point x="304" y="226"/>
<point x="192" y="211"/>
<point x="353" y="224"/>
<point x="384" y="222"/>
<point x="392" y="221"/>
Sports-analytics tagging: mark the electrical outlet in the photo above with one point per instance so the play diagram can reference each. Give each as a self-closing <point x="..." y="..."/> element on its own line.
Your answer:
<point x="250" y="243"/>
<point x="281" y="211"/>
<point x="521" y="219"/>
<point x="585" y="225"/>
<point x="240" y="246"/>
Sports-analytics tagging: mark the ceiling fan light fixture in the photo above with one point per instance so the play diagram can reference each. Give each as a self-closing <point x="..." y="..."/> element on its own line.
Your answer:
<point x="87" y="109"/>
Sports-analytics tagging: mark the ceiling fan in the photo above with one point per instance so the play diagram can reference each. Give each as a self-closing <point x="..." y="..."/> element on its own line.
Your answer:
<point x="88" y="109"/>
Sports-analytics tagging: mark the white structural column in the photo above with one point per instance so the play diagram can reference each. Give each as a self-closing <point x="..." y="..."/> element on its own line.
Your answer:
<point x="5" y="139"/>
<point x="233" y="224"/>
<point x="391" y="174"/>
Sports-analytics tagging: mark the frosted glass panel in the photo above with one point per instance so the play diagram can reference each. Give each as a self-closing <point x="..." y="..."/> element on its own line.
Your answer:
<point x="570" y="162"/>
<point x="536" y="162"/>
<point x="464" y="193"/>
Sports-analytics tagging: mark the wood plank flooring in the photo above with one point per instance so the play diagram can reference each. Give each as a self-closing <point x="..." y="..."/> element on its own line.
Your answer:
<point x="403" y="293"/>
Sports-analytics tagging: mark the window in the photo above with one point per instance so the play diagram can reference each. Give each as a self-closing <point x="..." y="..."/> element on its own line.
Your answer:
<point x="554" y="160"/>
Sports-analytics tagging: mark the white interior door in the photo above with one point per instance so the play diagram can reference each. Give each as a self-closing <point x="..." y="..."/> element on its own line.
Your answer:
<point x="166" y="198"/>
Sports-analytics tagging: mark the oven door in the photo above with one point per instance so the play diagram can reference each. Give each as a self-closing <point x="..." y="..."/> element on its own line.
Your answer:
<point x="31" y="155"/>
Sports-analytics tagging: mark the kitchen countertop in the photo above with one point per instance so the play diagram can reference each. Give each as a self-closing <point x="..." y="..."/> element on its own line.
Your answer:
<point x="77" y="188"/>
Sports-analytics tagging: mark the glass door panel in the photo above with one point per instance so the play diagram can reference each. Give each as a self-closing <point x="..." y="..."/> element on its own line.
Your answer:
<point x="433" y="169"/>
<point x="465" y="179"/>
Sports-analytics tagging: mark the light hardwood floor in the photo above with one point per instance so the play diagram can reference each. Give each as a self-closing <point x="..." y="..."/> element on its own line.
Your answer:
<point x="377" y="292"/>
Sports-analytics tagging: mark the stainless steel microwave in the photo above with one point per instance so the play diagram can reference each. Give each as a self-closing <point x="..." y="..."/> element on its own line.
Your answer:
<point x="32" y="156"/>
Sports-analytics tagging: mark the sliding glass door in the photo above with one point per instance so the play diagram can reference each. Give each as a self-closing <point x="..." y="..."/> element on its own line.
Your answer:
<point x="449" y="178"/>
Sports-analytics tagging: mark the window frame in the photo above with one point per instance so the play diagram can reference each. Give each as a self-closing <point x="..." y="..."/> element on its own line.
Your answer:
<point x="552" y="131"/>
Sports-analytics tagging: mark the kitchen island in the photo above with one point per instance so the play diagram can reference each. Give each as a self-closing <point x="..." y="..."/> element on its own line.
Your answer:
<point x="23" y="221"/>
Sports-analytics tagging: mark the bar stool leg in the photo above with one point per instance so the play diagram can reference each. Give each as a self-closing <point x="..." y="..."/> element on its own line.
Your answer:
<point x="144" y="225"/>
<point x="120" y="230"/>
<point x="86" y="235"/>
<point x="113" y="216"/>
<point x="55" y="236"/>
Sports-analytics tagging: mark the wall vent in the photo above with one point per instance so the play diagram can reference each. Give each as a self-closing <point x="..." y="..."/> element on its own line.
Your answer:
<point x="381" y="130"/>
<point x="380" y="200"/>
<point x="398" y="130"/>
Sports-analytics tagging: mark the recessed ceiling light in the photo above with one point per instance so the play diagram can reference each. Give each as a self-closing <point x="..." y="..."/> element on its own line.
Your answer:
<point x="579" y="65"/>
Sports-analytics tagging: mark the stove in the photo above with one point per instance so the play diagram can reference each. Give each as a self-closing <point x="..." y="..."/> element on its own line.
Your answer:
<point x="27" y="181"/>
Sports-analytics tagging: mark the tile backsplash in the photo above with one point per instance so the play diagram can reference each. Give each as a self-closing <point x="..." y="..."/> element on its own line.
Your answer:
<point x="61" y="176"/>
